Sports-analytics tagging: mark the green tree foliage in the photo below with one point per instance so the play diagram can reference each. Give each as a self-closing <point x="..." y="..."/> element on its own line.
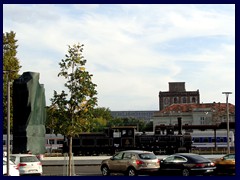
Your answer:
<point x="100" y="118"/>
<point x="11" y="68"/>
<point x="141" y="125"/>
<point x="70" y="111"/>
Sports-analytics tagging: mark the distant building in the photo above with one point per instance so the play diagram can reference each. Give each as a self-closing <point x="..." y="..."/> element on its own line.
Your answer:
<point x="195" y="114"/>
<point x="141" y="115"/>
<point x="177" y="94"/>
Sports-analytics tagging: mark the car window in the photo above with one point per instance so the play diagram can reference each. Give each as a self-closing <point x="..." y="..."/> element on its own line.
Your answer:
<point x="179" y="159"/>
<point x="29" y="159"/>
<point x="230" y="156"/>
<point x="147" y="156"/>
<point x="118" y="156"/>
<point x="169" y="159"/>
<point x="12" y="158"/>
<point x="127" y="156"/>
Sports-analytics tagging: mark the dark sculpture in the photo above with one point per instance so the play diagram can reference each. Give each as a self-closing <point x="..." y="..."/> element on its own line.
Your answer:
<point x="29" y="114"/>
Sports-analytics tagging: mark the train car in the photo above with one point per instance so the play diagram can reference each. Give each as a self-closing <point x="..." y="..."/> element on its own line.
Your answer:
<point x="5" y="142"/>
<point x="125" y="137"/>
<point x="54" y="143"/>
<point x="113" y="139"/>
<point x="91" y="144"/>
<point x="163" y="143"/>
<point x="208" y="139"/>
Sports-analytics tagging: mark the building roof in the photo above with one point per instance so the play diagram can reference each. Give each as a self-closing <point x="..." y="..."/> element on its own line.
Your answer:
<point x="183" y="108"/>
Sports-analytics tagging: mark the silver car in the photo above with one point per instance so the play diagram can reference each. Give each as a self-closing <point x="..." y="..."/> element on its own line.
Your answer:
<point x="131" y="163"/>
<point x="28" y="164"/>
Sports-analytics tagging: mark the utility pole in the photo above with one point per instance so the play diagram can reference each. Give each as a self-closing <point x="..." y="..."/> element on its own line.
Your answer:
<point x="227" y="94"/>
<point x="7" y="72"/>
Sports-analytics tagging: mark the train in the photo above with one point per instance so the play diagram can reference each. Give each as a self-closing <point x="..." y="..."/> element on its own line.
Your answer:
<point x="208" y="139"/>
<point x="164" y="140"/>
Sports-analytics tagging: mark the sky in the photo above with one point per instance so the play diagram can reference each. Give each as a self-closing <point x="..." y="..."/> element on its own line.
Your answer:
<point x="133" y="51"/>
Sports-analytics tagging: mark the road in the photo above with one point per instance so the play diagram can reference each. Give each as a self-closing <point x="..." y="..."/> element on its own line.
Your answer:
<point x="79" y="170"/>
<point x="84" y="166"/>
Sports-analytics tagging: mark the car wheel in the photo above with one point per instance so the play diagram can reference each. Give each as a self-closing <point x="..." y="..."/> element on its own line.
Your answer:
<point x="185" y="172"/>
<point x="131" y="172"/>
<point x="105" y="171"/>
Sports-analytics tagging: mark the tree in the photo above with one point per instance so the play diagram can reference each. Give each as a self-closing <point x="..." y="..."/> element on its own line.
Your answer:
<point x="101" y="116"/>
<point x="11" y="67"/>
<point x="70" y="112"/>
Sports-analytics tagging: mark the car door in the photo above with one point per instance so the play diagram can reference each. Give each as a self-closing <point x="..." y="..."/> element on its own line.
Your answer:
<point x="126" y="161"/>
<point x="178" y="164"/>
<point x="167" y="165"/>
<point x="116" y="162"/>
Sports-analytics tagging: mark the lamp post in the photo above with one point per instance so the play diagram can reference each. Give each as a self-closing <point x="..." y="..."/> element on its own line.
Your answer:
<point x="7" y="72"/>
<point x="227" y="94"/>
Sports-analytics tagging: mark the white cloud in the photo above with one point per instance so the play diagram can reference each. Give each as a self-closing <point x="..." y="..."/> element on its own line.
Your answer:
<point x="133" y="51"/>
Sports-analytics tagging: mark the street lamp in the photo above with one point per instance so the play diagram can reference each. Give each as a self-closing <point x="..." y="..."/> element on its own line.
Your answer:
<point x="7" y="72"/>
<point x="227" y="94"/>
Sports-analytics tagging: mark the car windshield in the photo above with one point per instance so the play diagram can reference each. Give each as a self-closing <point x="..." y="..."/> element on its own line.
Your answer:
<point x="29" y="159"/>
<point x="147" y="156"/>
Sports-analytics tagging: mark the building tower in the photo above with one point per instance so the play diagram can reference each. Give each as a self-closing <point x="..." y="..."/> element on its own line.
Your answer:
<point x="177" y="94"/>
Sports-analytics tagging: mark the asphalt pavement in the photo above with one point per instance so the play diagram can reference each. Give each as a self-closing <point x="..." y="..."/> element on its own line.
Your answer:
<point x="57" y="166"/>
<point x="94" y="160"/>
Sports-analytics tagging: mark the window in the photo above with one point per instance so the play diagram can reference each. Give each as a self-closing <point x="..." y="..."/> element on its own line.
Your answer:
<point x="59" y="141"/>
<point x="184" y="100"/>
<point x="127" y="156"/>
<point x="193" y="100"/>
<point x="51" y="141"/>
<point x="196" y="139"/>
<point x="205" y="139"/>
<point x="169" y="159"/>
<point x="179" y="159"/>
<point x="175" y="100"/>
<point x="202" y="120"/>
<point x="147" y="156"/>
<point x="118" y="156"/>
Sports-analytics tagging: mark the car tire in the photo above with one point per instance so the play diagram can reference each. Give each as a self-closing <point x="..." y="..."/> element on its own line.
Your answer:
<point x="185" y="172"/>
<point x="105" y="171"/>
<point x="131" y="172"/>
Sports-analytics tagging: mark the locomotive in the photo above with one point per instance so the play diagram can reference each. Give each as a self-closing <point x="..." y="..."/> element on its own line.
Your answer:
<point x="118" y="138"/>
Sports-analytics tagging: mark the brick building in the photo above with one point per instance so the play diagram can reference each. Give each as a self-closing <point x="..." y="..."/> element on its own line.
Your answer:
<point x="177" y="94"/>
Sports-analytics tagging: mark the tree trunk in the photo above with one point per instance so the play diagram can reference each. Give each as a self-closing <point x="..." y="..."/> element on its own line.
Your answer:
<point x="70" y="157"/>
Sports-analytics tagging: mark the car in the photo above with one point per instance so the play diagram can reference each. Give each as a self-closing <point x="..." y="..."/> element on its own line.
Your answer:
<point x="13" y="170"/>
<point x="28" y="164"/>
<point x="225" y="164"/>
<point x="131" y="163"/>
<point x="186" y="164"/>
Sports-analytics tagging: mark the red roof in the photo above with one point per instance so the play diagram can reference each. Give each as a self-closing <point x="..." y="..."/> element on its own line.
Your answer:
<point x="217" y="107"/>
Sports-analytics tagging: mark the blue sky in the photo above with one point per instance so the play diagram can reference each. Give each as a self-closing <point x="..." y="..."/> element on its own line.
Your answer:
<point x="133" y="51"/>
